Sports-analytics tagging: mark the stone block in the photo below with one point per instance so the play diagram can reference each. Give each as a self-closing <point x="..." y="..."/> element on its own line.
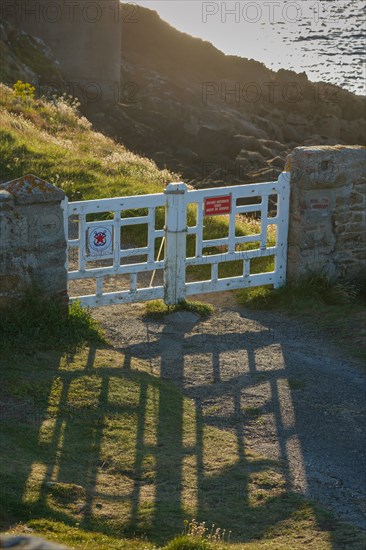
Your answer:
<point x="327" y="219"/>
<point x="327" y="166"/>
<point x="31" y="190"/>
<point x="33" y="241"/>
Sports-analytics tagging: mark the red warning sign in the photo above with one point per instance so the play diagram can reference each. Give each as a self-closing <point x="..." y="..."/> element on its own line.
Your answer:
<point x="215" y="206"/>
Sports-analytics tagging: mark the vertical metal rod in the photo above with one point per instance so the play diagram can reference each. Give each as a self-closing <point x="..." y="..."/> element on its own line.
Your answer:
<point x="158" y="259"/>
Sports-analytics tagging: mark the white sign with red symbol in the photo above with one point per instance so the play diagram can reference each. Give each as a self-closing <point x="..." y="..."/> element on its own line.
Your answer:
<point x="100" y="240"/>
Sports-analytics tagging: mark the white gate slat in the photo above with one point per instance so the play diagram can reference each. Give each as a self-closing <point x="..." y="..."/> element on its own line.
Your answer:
<point x="231" y="283"/>
<point x="238" y="191"/>
<point x="116" y="239"/>
<point x="133" y="202"/>
<point x="122" y="297"/>
<point x="282" y="228"/>
<point x="232" y="226"/>
<point x="232" y="256"/>
<point x="112" y="271"/>
<point x="151" y="236"/>
<point x="82" y="241"/>
<point x="135" y="221"/>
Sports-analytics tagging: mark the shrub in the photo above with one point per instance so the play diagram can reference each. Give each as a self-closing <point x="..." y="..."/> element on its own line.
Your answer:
<point x="24" y="90"/>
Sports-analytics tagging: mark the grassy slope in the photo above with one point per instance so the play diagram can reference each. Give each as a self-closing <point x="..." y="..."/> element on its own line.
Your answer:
<point x="52" y="142"/>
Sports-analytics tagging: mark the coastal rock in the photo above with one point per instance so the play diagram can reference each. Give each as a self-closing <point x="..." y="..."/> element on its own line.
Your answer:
<point x="187" y="105"/>
<point x="330" y="127"/>
<point x="239" y="142"/>
<point x="192" y="97"/>
<point x="277" y="162"/>
<point x="210" y="141"/>
<point x="265" y="174"/>
<point x="253" y="157"/>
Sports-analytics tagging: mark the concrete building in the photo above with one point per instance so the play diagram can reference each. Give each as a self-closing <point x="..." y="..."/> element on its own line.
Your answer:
<point x="84" y="36"/>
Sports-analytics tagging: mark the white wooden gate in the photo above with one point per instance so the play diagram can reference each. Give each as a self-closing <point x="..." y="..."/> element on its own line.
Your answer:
<point x="120" y="272"/>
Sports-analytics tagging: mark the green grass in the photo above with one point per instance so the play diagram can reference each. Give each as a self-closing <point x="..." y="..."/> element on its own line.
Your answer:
<point x="37" y="322"/>
<point x="97" y="452"/>
<point x="310" y="293"/>
<point x="158" y="309"/>
<point x="336" y="308"/>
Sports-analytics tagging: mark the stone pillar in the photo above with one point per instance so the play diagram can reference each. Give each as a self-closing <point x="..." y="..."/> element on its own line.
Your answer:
<point x="32" y="239"/>
<point x="327" y="212"/>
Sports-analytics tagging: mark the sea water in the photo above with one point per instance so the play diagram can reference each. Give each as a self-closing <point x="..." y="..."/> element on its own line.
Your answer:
<point x="328" y="44"/>
<point x="324" y="38"/>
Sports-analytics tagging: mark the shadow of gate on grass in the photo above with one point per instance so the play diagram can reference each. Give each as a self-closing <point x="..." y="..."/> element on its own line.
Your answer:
<point x="125" y="452"/>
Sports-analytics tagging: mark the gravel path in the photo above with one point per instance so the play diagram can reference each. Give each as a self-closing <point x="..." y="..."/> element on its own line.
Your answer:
<point x="275" y="382"/>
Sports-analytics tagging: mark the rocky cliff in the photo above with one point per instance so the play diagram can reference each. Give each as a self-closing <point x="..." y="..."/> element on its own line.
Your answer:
<point x="25" y="57"/>
<point x="216" y="118"/>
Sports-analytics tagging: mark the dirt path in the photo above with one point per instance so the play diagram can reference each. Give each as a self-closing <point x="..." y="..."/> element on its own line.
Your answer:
<point x="275" y="382"/>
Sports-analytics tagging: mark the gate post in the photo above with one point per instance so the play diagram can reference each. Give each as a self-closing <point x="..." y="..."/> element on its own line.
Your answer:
<point x="33" y="246"/>
<point x="175" y="250"/>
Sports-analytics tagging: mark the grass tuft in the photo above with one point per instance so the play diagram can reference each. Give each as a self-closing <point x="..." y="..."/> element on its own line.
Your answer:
<point x="186" y="543"/>
<point x="156" y="309"/>
<point x="310" y="293"/>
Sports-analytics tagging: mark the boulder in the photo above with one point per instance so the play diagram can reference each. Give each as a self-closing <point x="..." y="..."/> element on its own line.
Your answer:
<point x="265" y="151"/>
<point x="25" y="542"/>
<point x="291" y="133"/>
<point x="330" y="127"/>
<point x="239" y="142"/>
<point x="265" y="174"/>
<point x="253" y="157"/>
<point x="210" y="141"/>
<point x="273" y="144"/>
<point x="277" y="162"/>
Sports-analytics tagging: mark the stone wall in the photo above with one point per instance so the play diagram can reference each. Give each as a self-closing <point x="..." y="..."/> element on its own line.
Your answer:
<point x="327" y="212"/>
<point x="32" y="239"/>
<point x="84" y="36"/>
